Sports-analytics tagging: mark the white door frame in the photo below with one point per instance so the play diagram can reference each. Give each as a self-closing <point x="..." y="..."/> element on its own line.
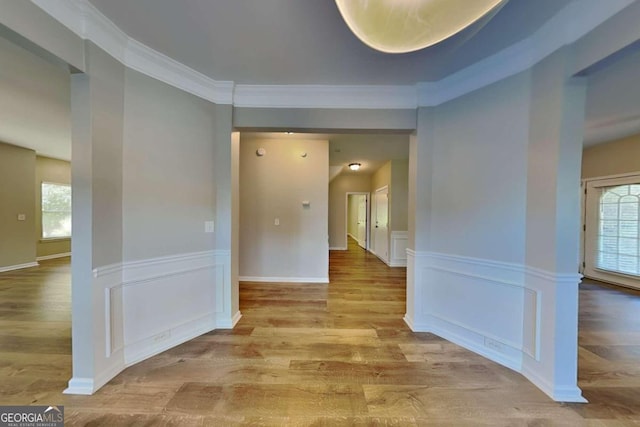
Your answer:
<point x="618" y="279"/>
<point x="367" y="217"/>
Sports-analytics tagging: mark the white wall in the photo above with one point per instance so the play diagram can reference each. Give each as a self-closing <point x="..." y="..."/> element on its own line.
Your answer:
<point x="478" y="213"/>
<point x="479" y="184"/>
<point x="274" y="186"/>
<point x="168" y="170"/>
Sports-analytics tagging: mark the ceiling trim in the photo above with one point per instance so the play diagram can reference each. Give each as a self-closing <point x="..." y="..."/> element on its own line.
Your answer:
<point x="325" y="96"/>
<point x="571" y="23"/>
<point x="567" y="26"/>
<point x="89" y="23"/>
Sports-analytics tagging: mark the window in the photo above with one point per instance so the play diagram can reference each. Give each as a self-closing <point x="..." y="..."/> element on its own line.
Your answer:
<point x="612" y="230"/>
<point x="56" y="210"/>
<point x="618" y="248"/>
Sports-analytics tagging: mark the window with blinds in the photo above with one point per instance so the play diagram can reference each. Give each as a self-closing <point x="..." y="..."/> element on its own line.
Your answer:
<point x="618" y="238"/>
<point x="56" y="210"/>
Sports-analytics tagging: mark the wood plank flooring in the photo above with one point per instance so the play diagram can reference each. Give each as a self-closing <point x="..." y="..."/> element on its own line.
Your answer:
<point x="305" y="354"/>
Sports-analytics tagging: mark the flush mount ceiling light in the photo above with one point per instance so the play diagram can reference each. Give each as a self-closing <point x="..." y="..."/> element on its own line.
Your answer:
<point x="400" y="26"/>
<point x="354" y="166"/>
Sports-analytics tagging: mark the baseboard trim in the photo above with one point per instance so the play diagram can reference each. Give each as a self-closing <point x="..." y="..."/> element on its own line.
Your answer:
<point x="284" y="279"/>
<point x="149" y="346"/>
<point x="83" y="386"/>
<point x="54" y="256"/>
<point x="226" y="323"/>
<point x="469" y="339"/>
<point x="398" y="263"/>
<point x="338" y="248"/>
<point x="559" y="394"/>
<point x="18" y="266"/>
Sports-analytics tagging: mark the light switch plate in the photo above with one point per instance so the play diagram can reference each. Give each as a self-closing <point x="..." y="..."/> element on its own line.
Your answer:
<point x="208" y="226"/>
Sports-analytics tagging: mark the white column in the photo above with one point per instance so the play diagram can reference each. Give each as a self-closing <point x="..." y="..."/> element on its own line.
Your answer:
<point x="552" y="228"/>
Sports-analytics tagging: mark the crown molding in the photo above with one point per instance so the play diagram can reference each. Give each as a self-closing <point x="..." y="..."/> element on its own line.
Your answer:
<point x="325" y="96"/>
<point x="567" y="26"/>
<point x="89" y="23"/>
<point x="154" y="64"/>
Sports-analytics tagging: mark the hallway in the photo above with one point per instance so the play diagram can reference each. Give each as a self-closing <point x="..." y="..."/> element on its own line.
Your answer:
<point x="304" y="354"/>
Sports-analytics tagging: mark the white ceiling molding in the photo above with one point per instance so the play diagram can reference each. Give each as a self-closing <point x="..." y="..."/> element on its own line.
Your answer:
<point x="567" y="26"/>
<point x="152" y="63"/>
<point x="89" y="23"/>
<point x="571" y="23"/>
<point x="321" y="96"/>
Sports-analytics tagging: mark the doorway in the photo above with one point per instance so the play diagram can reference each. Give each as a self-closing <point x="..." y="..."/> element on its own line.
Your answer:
<point x="357" y="220"/>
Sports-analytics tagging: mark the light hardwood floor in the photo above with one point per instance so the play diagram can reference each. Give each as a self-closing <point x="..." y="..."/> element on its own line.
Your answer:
<point x="335" y="354"/>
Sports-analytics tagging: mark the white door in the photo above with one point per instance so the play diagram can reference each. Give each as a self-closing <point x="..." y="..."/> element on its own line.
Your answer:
<point x="362" y="221"/>
<point x="380" y="224"/>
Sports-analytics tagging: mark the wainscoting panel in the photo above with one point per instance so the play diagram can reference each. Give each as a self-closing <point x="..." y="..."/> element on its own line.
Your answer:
<point x="154" y="304"/>
<point x="399" y="242"/>
<point x="478" y="304"/>
<point x="168" y="301"/>
<point x="499" y="310"/>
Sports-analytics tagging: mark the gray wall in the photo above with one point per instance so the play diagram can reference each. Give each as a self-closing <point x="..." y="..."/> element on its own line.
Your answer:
<point x="338" y="189"/>
<point x="17" y="196"/>
<point x="58" y="172"/>
<point x="274" y="186"/>
<point x="168" y="170"/>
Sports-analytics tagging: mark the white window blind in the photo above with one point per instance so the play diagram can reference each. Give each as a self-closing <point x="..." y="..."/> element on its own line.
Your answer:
<point x="618" y="238"/>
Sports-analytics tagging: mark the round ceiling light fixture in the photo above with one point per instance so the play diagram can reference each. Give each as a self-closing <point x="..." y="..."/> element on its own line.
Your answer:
<point x="354" y="166"/>
<point x="401" y="26"/>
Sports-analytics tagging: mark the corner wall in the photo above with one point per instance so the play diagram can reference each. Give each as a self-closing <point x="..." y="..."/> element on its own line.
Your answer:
<point x="495" y="190"/>
<point x="148" y="177"/>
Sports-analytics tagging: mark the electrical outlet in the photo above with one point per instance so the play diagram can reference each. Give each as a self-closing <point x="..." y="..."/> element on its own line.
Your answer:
<point x="22" y="217"/>
<point x="208" y="226"/>
<point x="163" y="336"/>
<point x="276" y="221"/>
<point x="494" y="345"/>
